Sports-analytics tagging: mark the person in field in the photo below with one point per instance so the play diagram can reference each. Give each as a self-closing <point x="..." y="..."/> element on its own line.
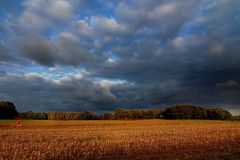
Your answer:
<point x="18" y="123"/>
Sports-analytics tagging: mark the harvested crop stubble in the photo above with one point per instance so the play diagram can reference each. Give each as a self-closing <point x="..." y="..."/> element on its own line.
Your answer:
<point x="141" y="139"/>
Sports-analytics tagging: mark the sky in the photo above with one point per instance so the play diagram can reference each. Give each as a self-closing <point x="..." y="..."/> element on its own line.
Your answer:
<point x="99" y="55"/>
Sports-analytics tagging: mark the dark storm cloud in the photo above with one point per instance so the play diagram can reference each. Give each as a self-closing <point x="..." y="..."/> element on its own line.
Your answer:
<point x="2" y="29"/>
<point x="78" y="94"/>
<point x="66" y="49"/>
<point x="136" y="54"/>
<point x="159" y="19"/>
<point x="4" y="53"/>
<point x="37" y="48"/>
<point x="55" y="94"/>
<point x="2" y="73"/>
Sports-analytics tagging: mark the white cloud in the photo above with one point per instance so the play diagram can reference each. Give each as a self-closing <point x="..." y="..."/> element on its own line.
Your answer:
<point x="178" y="42"/>
<point x="33" y="75"/>
<point x="163" y="10"/>
<point x="129" y="12"/>
<point x="60" y="9"/>
<point x="108" y="83"/>
<point x="105" y="24"/>
<point x="83" y="28"/>
<point x="228" y="84"/>
<point x="33" y="21"/>
<point x="69" y="36"/>
<point x="40" y="14"/>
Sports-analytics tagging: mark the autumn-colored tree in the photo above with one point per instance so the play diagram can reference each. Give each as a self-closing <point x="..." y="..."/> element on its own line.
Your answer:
<point x="121" y="113"/>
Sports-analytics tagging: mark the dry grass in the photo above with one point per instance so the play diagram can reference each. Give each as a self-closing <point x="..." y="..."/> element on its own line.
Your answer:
<point x="142" y="139"/>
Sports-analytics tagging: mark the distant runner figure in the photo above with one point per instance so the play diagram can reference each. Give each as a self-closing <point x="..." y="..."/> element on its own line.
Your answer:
<point x="18" y="123"/>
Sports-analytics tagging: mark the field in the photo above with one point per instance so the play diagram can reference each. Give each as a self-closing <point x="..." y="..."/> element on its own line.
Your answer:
<point x="140" y="139"/>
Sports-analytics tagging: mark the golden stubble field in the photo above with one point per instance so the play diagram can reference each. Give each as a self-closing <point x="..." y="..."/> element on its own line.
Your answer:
<point x="140" y="139"/>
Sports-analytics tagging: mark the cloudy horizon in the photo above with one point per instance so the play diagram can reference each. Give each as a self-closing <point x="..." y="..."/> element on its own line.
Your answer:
<point x="77" y="55"/>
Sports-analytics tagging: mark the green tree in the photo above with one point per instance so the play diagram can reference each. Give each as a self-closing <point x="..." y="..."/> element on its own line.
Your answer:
<point x="185" y="111"/>
<point x="219" y="114"/>
<point x="7" y="110"/>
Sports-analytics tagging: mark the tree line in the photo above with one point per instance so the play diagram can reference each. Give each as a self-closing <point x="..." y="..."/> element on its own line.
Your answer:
<point x="118" y="114"/>
<point x="183" y="111"/>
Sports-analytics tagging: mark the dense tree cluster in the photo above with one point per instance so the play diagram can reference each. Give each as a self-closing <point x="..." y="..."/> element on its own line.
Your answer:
<point x="186" y="111"/>
<point x="7" y="110"/>
<point x="219" y="114"/>
<point x="189" y="111"/>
